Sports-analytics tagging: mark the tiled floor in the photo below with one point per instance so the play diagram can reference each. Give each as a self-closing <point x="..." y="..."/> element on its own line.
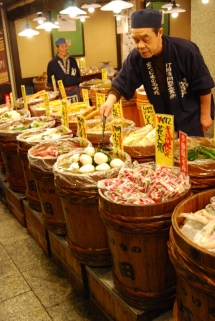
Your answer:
<point x="31" y="287"/>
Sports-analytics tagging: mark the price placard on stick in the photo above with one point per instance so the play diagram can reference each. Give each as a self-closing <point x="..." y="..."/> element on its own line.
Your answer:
<point x="183" y="153"/>
<point x="62" y="89"/>
<point x="117" y="139"/>
<point x="164" y="153"/>
<point x="24" y="97"/>
<point x="117" y="110"/>
<point x="65" y="117"/>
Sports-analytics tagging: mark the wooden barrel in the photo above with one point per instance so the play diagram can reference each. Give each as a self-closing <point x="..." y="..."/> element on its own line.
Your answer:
<point x="30" y="184"/>
<point x="194" y="266"/>
<point x="86" y="234"/>
<point x="142" y="271"/>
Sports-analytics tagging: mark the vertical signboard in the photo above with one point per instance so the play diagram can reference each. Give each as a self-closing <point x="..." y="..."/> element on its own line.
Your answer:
<point x="4" y="77"/>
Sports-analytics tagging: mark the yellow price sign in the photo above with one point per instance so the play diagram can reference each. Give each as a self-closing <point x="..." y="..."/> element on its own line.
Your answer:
<point x="117" y="139"/>
<point x="117" y="110"/>
<point x="11" y="101"/>
<point x="164" y="145"/>
<point x="54" y="83"/>
<point x="148" y="114"/>
<point x="100" y="99"/>
<point x="65" y="117"/>
<point x="104" y="74"/>
<point x="85" y="95"/>
<point x="81" y="62"/>
<point x="47" y="107"/>
<point x="62" y="89"/>
<point x="24" y="97"/>
<point x="82" y="130"/>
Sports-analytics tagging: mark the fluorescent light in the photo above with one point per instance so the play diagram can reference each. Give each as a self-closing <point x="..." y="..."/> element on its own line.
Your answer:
<point x="116" y="6"/>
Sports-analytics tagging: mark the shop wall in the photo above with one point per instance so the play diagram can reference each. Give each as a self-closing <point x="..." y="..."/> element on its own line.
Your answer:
<point x="180" y="26"/>
<point x="203" y="31"/>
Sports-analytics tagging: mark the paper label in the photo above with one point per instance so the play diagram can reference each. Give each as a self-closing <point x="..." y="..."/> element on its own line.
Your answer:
<point x="11" y="101"/>
<point x="24" y="97"/>
<point x="164" y="153"/>
<point x="81" y="62"/>
<point x="46" y="102"/>
<point x="117" y="110"/>
<point x="104" y="74"/>
<point x="117" y="138"/>
<point x="54" y="83"/>
<point x="183" y="153"/>
<point x="62" y="89"/>
<point x="148" y="114"/>
<point x="65" y="118"/>
<point x="82" y="130"/>
<point x="100" y="99"/>
<point x="85" y="95"/>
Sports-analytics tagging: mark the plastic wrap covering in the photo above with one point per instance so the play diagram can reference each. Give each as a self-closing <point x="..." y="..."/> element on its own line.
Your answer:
<point x="202" y="168"/>
<point x="37" y="98"/>
<point x="16" y="127"/>
<point x="44" y="155"/>
<point x="67" y="181"/>
<point x="139" y="143"/>
<point x="94" y="129"/>
<point x="4" y="108"/>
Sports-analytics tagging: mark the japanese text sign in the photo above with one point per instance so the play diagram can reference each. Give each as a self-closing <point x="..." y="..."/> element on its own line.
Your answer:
<point x="54" y="83"/>
<point x="164" y="152"/>
<point x="117" y="140"/>
<point x="104" y="74"/>
<point x="183" y="153"/>
<point x="47" y="107"/>
<point x="62" y="89"/>
<point x="65" y="118"/>
<point x="117" y="110"/>
<point x="4" y="78"/>
<point x="24" y="97"/>
<point x="85" y="95"/>
<point x="11" y="101"/>
<point x="82" y="131"/>
<point x="100" y="99"/>
<point x="148" y="114"/>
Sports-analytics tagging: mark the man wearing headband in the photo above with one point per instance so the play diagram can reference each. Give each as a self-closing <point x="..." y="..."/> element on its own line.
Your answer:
<point x="64" y="67"/>
<point x="172" y="71"/>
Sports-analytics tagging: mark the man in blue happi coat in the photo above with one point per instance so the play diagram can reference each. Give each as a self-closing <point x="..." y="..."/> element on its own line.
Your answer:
<point x="172" y="71"/>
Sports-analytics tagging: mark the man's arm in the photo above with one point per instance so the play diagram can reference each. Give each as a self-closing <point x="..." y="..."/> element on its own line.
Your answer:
<point x="205" y="112"/>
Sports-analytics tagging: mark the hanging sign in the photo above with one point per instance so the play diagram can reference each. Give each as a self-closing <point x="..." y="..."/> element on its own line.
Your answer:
<point x="62" y="89"/>
<point x="148" y="114"/>
<point x="117" y="139"/>
<point x="4" y="78"/>
<point x="65" y="117"/>
<point x="117" y="110"/>
<point x="183" y="153"/>
<point x="164" y="153"/>
<point x="100" y="99"/>
<point x="24" y="97"/>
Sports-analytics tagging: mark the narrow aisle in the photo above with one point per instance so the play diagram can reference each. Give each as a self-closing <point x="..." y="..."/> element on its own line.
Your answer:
<point x="32" y="287"/>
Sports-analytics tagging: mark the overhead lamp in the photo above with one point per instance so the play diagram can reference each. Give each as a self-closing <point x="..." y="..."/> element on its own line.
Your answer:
<point x="91" y="7"/>
<point x="72" y="10"/>
<point x="40" y="19"/>
<point x="47" y="26"/>
<point x="169" y="5"/>
<point x="205" y="1"/>
<point x="174" y="9"/>
<point x="28" y="32"/>
<point x="82" y="18"/>
<point x="116" y="6"/>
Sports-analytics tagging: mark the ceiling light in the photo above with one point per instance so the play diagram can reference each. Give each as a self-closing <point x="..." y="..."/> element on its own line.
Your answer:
<point x="118" y="16"/>
<point x="28" y="32"/>
<point x="169" y="5"/>
<point x="40" y="19"/>
<point x="174" y="14"/>
<point x="205" y="1"/>
<point x="72" y="10"/>
<point x="91" y="7"/>
<point x="116" y="6"/>
<point x="174" y="8"/>
<point x="47" y="26"/>
<point x="82" y="18"/>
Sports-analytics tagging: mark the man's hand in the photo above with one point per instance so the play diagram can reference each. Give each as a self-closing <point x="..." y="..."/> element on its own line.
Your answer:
<point x="105" y="109"/>
<point x="206" y="122"/>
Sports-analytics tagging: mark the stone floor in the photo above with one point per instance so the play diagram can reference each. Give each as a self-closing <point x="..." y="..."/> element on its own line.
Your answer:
<point x="32" y="288"/>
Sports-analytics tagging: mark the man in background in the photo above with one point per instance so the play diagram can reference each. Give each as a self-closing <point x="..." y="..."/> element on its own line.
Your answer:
<point x="64" y="67"/>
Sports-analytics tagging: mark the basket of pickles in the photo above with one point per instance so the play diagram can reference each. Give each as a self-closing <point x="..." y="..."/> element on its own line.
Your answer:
<point x="201" y="162"/>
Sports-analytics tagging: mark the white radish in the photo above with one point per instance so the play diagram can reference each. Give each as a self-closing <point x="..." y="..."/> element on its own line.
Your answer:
<point x="85" y="159"/>
<point x="116" y="162"/>
<point x="100" y="158"/>
<point x="88" y="168"/>
<point x="102" y="167"/>
<point x="89" y="151"/>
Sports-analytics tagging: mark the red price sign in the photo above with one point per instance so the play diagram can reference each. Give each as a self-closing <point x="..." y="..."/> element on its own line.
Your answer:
<point x="183" y="153"/>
